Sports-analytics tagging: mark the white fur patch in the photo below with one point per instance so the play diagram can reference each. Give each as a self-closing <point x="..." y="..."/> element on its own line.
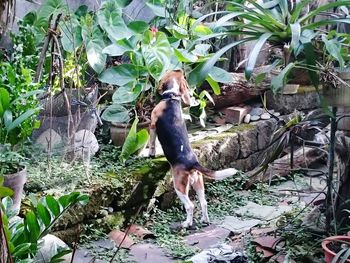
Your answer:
<point x="175" y="89"/>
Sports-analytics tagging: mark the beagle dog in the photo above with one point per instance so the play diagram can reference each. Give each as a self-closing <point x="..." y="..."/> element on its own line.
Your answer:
<point x="168" y="124"/>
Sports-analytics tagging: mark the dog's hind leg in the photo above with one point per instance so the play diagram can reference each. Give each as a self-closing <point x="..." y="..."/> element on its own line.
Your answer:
<point x="198" y="186"/>
<point x="152" y="142"/>
<point x="182" y="185"/>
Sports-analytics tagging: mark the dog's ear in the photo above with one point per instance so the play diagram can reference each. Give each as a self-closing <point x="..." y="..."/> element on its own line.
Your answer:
<point x="184" y="90"/>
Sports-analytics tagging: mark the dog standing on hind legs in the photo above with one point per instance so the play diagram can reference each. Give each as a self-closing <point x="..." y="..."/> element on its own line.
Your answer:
<point x="168" y="124"/>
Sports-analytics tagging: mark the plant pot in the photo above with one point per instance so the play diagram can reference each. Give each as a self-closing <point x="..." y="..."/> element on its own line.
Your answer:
<point x="119" y="131"/>
<point x="344" y="123"/>
<point x="339" y="96"/>
<point x="16" y="182"/>
<point x="329" y="254"/>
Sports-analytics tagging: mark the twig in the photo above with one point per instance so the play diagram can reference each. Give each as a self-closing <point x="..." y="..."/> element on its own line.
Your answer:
<point x="126" y="233"/>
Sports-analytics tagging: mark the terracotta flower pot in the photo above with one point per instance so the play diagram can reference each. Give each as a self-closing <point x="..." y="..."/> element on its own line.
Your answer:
<point x="329" y="254"/>
<point x="16" y="182"/>
<point x="119" y="131"/>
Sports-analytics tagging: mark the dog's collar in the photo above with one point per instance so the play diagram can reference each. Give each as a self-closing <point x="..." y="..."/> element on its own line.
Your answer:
<point x="170" y="96"/>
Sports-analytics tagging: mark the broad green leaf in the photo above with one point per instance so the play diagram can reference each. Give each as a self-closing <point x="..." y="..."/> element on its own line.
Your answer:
<point x="138" y="27"/>
<point x="184" y="56"/>
<point x="71" y="34"/>
<point x="202" y="30"/>
<point x="110" y="18"/>
<point x="214" y="85"/>
<point x="220" y="75"/>
<point x="32" y="225"/>
<point x="126" y="94"/>
<point x="116" y="113"/>
<point x="333" y="47"/>
<point x="120" y="75"/>
<point x="44" y="214"/>
<point x="134" y="141"/>
<point x="118" y="48"/>
<point x="278" y="82"/>
<point x="52" y="7"/>
<point x="157" y="53"/>
<point x="94" y="44"/>
<point x="83" y="199"/>
<point x="53" y="205"/>
<point x="253" y="56"/>
<point x="5" y="191"/>
<point x="157" y="10"/>
<point x="4" y="101"/>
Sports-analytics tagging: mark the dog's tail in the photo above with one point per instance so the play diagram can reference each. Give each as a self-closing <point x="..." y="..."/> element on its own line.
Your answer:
<point x="216" y="175"/>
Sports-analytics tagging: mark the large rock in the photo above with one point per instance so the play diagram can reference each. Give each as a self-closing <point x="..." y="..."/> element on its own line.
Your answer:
<point x="305" y="99"/>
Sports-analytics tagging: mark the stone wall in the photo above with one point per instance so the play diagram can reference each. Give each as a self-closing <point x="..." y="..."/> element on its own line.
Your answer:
<point x="242" y="147"/>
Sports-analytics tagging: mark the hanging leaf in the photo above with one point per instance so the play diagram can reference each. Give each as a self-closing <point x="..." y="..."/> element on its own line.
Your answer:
<point x="71" y="34"/>
<point x="94" y="43"/>
<point x="278" y="82"/>
<point x="214" y="85"/>
<point x="134" y="141"/>
<point x="220" y="75"/>
<point x="254" y="53"/>
<point x="333" y="47"/>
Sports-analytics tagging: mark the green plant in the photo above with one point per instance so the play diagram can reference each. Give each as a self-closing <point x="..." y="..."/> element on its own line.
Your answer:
<point x="344" y="252"/>
<point x="299" y="35"/>
<point x="23" y="236"/>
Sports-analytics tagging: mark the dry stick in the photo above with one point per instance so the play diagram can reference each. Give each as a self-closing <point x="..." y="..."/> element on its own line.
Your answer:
<point x="126" y="233"/>
<point x="75" y="244"/>
<point x="43" y="55"/>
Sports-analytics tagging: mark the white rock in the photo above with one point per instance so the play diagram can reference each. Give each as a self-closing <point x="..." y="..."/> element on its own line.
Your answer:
<point x="254" y="118"/>
<point x="49" y="247"/>
<point x="48" y="136"/>
<point x="247" y="118"/>
<point x="257" y="111"/>
<point x="265" y="116"/>
<point x="85" y="145"/>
